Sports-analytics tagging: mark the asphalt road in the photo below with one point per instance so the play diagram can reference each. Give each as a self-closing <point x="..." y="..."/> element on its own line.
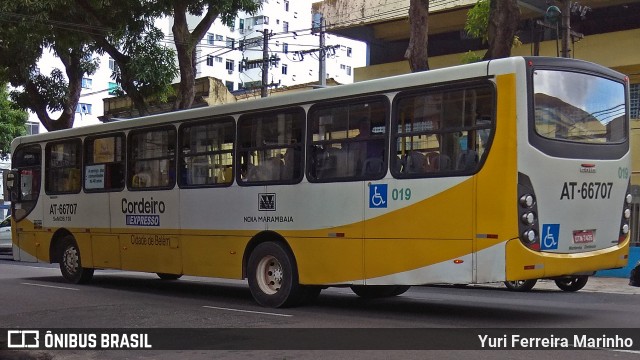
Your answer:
<point x="36" y="296"/>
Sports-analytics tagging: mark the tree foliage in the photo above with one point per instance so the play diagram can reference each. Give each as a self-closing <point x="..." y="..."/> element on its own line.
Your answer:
<point x="495" y="22"/>
<point x="12" y="122"/>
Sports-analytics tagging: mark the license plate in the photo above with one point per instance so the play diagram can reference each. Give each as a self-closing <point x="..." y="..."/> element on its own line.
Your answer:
<point x="584" y="236"/>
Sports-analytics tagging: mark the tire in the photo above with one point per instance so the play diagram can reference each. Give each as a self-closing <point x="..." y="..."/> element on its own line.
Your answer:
<point x="572" y="283"/>
<point x="379" y="291"/>
<point x="273" y="277"/>
<point x="71" y="262"/>
<point x="520" y="285"/>
<point x="165" y="276"/>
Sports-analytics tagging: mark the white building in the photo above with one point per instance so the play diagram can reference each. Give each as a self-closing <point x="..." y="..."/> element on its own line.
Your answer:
<point x="221" y="53"/>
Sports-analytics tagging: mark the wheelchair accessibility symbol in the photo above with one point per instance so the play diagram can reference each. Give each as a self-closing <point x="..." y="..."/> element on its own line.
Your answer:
<point x="549" y="236"/>
<point x="378" y="196"/>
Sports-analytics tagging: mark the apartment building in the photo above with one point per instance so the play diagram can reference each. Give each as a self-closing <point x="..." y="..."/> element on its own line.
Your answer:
<point x="233" y="54"/>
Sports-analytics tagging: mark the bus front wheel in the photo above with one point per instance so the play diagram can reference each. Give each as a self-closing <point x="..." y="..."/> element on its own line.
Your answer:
<point x="273" y="277"/>
<point x="379" y="291"/>
<point x="71" y="262"/>
<point x="572" y="283"/>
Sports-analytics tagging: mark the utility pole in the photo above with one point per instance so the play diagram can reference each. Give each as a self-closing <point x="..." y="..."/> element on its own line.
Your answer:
<point x="265" y="62"/>
<point x="322" y="71"/>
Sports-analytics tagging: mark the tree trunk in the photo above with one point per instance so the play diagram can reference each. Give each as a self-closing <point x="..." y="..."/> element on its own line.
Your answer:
<point x="419" y="29"/>
<point x="503" y="24"/>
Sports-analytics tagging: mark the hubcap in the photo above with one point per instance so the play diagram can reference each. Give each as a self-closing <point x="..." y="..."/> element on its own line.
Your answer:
<point x="269" y="275"/>
<point x="71" y="260"/>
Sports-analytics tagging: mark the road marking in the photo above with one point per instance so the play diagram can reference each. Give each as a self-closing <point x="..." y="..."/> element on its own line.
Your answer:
<point x="247" y="311"/>
<point x="50" y="286"/>
<point x="624" y="351"/>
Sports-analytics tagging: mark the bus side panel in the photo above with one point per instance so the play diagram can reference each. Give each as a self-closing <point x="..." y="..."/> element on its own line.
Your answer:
<point x="497" y="188"/>
<point x="402" y="244"/>
<point x="147" y="224"/>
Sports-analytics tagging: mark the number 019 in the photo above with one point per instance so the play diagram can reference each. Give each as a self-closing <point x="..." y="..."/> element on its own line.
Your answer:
<point x="401" y="194"/>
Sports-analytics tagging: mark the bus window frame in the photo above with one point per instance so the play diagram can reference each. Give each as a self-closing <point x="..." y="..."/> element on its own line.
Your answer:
<point x="181" y="157"/>
<point x="321" y="105"/>
<point x="299" y="110"/>
<point x="571" y="149"/>
<point x="480" y="83"/>
<point x="130" y="160"/>
<point x="47" y="167"/>
<point x="85" y="163"/>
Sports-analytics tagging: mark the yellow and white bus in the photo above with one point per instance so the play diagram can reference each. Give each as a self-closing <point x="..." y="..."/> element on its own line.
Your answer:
<point x="505" y="170"/>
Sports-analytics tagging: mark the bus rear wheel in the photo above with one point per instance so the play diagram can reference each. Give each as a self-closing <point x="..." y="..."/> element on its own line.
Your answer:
<point x="379" y="291"/>
<point x="572" y="283"/>
<point x="165" y="276"/>
<point x="520" y="285"/>
<point x="71" y="262"/>
<point x="273" y="277"/>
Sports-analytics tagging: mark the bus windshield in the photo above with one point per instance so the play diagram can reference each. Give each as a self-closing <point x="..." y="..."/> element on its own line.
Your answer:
<point x="579" y="107"/>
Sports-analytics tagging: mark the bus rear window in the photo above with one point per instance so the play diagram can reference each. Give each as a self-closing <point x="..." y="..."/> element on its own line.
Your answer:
<point x="577" y="107"/>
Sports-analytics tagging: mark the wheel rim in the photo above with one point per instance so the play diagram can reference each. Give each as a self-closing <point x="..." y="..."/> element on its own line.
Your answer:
<point x="71" y="260"/>
<point x="269" y="275"/>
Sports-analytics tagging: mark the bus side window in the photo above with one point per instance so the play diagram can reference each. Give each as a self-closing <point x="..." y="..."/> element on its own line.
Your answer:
<point x="63" y="167"/>
<point x="269" y="147"/>
<point x="104" y="163"/>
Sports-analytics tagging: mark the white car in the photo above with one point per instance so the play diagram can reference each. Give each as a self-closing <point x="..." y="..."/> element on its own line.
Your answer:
<point x="5" y="235"/>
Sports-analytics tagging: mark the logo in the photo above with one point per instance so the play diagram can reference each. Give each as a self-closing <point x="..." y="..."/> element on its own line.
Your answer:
<point x="23" y="339"/>
<point x="550" y="235"/>
<point x="267" y="202"/>
<point x="378" y="196"/>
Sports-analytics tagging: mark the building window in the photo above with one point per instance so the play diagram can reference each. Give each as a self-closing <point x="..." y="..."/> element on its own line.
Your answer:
<point x="349" y="52"/>
<point x="634" y="103"/>
<point x="285" y="26"/>
<point x="230" y="43"/>
<point x="286" y="6"/>
<point x="87" y="83"/>
<point x="112" y="64"/>
<point x="348" y="69"/>
<point x="33" y="128"/>
<point x="219" y="38"/>
<point x="229" y="85"/>
<point x="230" y="65"/>
<point x="285" y="48"/>
<point x="83" y="108"/>
<point x="209" y="60"/>
<point x="113" y="88"/>
<point x="210" y="38"/>
<point x="218" y="59"/>
<point x="284" y="69"/>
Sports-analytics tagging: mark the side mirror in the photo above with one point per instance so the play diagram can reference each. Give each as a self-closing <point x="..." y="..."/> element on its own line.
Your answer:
<point x="10" y="190"/>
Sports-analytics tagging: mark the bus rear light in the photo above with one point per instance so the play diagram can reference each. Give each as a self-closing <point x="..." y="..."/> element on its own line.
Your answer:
<point x="626" y="215"/>
<point x="628" y="199"/>
<point x="528" y="218"/>
<point x="528" y="213"/>
<point x="458" y="261"/>
<point x="527" y="201"/>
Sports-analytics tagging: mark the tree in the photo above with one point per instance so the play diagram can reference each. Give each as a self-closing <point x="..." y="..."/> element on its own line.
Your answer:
<point x="494" y="22"/>
<point x="419" y="29"/>
<point x="145" y="68"/>
<point x="22" y="42"/>
<point x="12" y="122"/>
<point x="186" y="40"/>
